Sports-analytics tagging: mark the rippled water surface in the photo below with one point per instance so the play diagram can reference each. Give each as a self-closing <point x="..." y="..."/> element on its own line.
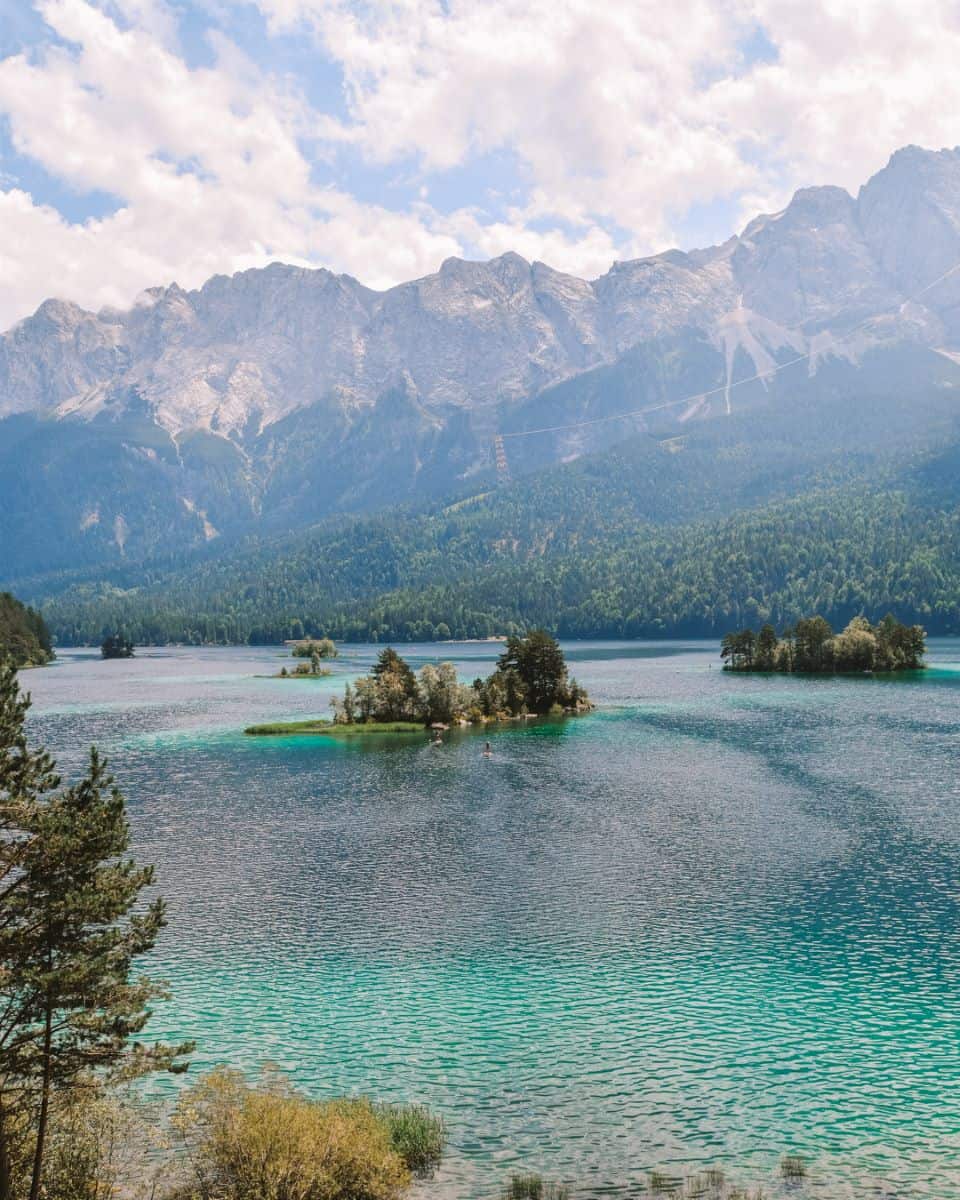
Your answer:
<point x="713" y="922"/>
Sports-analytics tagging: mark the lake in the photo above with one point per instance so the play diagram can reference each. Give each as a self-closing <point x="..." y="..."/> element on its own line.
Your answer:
<point x="712" y="923"/>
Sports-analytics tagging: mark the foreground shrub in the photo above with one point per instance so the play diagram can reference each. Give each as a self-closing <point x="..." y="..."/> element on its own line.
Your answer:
<point x="533" y="1187"/>
<point x="273" y="1144"/>
<point x="103" y="1144"/>
<point x="792" y="1166"/>
<point x="416" y="1134"/>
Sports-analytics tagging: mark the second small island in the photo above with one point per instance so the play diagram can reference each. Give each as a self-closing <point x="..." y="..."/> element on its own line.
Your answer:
<point x="812" y="648"/>
<point x="531" y="679"/>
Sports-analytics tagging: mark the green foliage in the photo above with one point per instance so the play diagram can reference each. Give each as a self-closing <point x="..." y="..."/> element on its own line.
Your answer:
<point x="103" y="1144"/>
<point x="416" y="1134"/>
<point x="441" y="697"/>
<point x="324" y="648"/>
<point x="310" y="670"/>
<point x="766" y="648"/>
<point x="534" y="1187"/>
<point x="24" y="637"/>
<point x="116" y="645"/>
<point x="392" y="693"/>
<point x="71" y="926"/>
<point x="572" y="552"/>
<point x="812" y="648"/>
<point x="270" y="1143"/>
<point x="531" y="676"/>
<point x="330" y="729"/>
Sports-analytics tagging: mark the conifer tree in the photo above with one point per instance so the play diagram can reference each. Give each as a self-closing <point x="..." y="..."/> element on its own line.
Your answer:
<point x="766" y="648"/>
<point x="70" y="928"/>
<point x="539" y="662"/>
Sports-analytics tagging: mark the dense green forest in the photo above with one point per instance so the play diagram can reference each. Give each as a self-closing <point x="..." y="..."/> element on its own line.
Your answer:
<point x="24" y="636"/>
<point x="838" y="551"/>
<point x="762" y="518"/>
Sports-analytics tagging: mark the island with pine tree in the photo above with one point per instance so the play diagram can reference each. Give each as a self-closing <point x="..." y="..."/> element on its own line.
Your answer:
<point x="116" y="645"/>
<point x="812" y="648"/>
<point x="530" y="680"/>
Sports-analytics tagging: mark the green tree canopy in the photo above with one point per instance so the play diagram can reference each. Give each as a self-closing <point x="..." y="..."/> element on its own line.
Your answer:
<point x="71" y="926"/>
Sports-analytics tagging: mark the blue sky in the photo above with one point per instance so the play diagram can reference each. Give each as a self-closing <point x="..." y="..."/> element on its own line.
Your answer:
<point x="143" y="141"/>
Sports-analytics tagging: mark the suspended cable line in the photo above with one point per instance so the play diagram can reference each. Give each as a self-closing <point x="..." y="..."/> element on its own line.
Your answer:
<point x="724" y="388"/>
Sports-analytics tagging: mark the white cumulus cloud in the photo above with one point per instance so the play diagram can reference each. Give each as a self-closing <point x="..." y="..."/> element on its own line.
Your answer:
<point x="619" y="122"/>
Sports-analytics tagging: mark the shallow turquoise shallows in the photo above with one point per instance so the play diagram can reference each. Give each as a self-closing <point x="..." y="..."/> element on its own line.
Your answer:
<point x="712" y="923"/>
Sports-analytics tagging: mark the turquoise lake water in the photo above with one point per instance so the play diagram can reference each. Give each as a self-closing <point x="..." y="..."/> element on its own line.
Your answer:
<point x="712" y="923"/>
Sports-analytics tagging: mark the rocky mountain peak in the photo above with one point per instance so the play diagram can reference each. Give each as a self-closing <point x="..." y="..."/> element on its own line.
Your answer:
<point x="910" y="216"/>
<point x="246" y="349"/>
<point x="59" y="315"/>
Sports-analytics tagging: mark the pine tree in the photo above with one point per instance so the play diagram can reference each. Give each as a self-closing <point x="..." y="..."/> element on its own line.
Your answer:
<point x="70" y="928"/>
<point x="397" y="691"/>
<point x="539" y="662"/>
<point x="26" y="776"/>
<point x="766" y="648"/>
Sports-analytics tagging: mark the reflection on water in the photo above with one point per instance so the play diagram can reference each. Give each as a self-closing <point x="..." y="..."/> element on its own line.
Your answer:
<point x="713" y="922"/>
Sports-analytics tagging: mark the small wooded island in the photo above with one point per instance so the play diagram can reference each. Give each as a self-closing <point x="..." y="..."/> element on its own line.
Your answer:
<point x="812" y="648"/>
<point x="531" y="679"/>
<point x="315" y="652"/>
<point x="116" y="645"/>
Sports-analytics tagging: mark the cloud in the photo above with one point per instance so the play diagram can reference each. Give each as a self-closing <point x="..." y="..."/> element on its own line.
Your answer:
<point x="852" y="82"/>
<point x="210" y="165"/>
<point x="207" y="163"/>
<point x="628" y="114"/>
<point x="601" y="103"/>
<point x="620" y="124"/>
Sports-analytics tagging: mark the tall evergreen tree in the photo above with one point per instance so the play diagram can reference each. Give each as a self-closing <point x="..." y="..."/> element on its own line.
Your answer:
<point x="397" y="685"/>
<point x="766" y="648"/>
<point x="539" y="662"/>
<point x="70" y="928"/>
<point x="811" y="635"/>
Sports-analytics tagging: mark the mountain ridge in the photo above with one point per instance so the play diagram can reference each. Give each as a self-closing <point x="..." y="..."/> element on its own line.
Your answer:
<point x="277" y="395"/>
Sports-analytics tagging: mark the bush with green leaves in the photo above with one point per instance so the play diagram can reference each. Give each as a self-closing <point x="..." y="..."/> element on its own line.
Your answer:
<point x="416" y="1134"/>
<point x="269" y="1142"/>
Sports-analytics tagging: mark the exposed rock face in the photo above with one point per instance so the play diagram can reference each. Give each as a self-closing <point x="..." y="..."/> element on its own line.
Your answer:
<point x="243" y="352"/>
<point x="910" y="216"/>
<point x="276" y="395"/>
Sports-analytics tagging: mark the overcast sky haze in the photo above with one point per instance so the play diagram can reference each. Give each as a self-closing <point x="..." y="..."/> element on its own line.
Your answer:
<point x="145" y="141"/>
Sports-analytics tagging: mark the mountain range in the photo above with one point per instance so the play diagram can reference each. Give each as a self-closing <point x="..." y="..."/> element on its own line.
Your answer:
<point x="273" y="398"/>
<point x="197" y="440"/>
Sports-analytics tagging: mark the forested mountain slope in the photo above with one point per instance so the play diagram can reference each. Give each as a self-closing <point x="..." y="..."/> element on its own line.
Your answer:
<point x="652" y="538"/>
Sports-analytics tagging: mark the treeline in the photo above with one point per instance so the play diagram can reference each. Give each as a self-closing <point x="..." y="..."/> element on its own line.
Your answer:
<point x="485" y="569"/>
<point x="819" y="506"/>
<point x="24" y="636"/>
<point x="530" y="678"/>
<point x="812" y="648"/>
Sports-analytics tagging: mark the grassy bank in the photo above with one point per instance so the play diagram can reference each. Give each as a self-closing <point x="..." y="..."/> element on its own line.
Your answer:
<point x="328" y="729"/>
